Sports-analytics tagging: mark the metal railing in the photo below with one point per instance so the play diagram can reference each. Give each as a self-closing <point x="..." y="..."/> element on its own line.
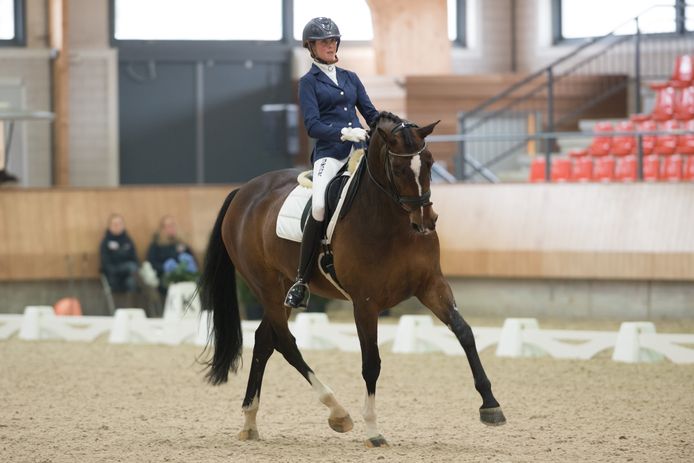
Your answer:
<point x="533" y="106"/>
<point x="546" y="136"/>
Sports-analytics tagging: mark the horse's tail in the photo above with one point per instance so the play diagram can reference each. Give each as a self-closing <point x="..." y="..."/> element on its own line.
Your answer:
<point x="217" y="288"/>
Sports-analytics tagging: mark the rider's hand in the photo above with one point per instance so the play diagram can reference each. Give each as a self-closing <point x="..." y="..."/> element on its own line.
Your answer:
<point x="354" y="134"/>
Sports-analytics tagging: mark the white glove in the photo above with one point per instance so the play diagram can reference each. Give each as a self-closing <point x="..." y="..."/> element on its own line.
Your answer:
<point x="355" y="134"/>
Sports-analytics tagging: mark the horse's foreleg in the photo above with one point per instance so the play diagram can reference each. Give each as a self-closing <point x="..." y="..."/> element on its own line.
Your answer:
<point x="367" y="327"/>
<point x="262" y="350"/>
<point x="439" y="299"/>
<point x="339" y="419"/>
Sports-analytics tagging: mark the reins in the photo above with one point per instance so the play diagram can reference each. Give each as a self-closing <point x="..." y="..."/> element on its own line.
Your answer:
<point x="407" y="203"/>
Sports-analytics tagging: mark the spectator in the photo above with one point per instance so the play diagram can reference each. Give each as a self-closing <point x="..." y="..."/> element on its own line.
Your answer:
<point x="170" y="256"/>
<point x="118" y="257"/>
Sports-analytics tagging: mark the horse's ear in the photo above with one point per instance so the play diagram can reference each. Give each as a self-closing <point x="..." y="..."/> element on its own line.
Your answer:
<point x="426" y="131"/>
<point x="386" y="136"/>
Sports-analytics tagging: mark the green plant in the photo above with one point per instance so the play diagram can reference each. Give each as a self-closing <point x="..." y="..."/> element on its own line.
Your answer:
<point x="179" y="274"/>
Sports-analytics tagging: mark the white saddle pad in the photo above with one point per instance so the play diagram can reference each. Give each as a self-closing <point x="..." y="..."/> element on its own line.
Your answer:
<point x="289" y="217"/>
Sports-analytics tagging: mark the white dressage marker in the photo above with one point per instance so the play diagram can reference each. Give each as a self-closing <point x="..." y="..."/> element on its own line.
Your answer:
<point x="124" y="330"/>
<point x="40" y="322"/>
<point x="411" y="335"/>
<point x="9" y="324"/>
<point x="629" y="348"/>
<point x="513" y="342"/>
<point x="314" y="331"/>
<point x="182" y="301"/>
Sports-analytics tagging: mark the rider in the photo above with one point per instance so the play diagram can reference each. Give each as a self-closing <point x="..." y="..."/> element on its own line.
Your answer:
<point x="329" y="97"/>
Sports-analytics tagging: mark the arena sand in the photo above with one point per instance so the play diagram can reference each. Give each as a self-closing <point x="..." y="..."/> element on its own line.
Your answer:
<point x="95" y="402"/>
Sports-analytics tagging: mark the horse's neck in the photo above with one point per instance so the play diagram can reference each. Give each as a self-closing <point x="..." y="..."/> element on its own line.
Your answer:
<point x="374" y="205"/>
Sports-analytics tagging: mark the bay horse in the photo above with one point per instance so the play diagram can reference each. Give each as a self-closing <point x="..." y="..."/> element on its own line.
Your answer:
<point x="385" y="250"/>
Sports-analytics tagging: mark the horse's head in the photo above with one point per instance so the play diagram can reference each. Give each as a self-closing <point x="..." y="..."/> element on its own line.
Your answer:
<point x="402" y="149"/>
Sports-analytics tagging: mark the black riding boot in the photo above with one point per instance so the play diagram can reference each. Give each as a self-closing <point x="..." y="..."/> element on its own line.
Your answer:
<point x="5" y="177"/>
<point x="298" y="294"/>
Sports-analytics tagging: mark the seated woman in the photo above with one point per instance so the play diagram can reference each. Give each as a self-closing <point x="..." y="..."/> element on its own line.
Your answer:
<point x="119" y="261"/>
<point x="169" y="253"/>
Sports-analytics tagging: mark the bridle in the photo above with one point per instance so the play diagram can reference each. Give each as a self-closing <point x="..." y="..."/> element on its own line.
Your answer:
<point x="408" y="203"/>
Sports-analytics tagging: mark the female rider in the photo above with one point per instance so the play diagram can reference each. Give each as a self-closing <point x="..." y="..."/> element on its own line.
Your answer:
<point x="329" y="97"/>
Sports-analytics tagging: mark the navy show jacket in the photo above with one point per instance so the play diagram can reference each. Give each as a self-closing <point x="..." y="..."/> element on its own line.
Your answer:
<point x="328" y="108"/>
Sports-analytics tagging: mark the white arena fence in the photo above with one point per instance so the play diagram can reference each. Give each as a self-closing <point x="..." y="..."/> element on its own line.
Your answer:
<point x="519" y="337"/>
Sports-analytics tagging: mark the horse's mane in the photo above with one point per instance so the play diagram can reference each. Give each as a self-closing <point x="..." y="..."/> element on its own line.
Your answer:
<point x="388" y="121"/>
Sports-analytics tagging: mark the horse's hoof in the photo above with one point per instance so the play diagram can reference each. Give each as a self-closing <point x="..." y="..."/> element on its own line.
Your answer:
<point x="374" y="442"/>
<point x="492" y="416"/>
<point x="249" y="434"/>
<point x="343" y="424"/>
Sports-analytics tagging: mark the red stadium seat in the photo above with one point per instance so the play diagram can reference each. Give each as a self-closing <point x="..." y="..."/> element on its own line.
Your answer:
<point x="684" y="71"/>
<point x="603" y="169"/>
<point x="577" y="153"/>
<point x="651" y="168"/>
<point x="626" y="169"/>
<point x="672" y="168"/>
<point x="561" y="169"/>
<point x="684" y="104"/>
<point x="648" y="141"/>
<point x="537" y="169"/>
<point x="667" y="144"/>
<point x="685" y="143"/>
<point x="601" y="144"/>
<point x="664" y="102"/>
<point x="582" y="169"/>
<point x="623" y="145"/>
<point x="688" y="173"/>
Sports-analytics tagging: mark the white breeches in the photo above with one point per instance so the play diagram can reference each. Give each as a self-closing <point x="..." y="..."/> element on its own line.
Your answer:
<point x="323" y="171"/>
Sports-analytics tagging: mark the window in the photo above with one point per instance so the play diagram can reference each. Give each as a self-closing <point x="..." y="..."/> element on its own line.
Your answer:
<point x="197" y="20"/>
<point x="595" y="18"/>
<point x="355" y="20"/>
<point x="11" y="22"/>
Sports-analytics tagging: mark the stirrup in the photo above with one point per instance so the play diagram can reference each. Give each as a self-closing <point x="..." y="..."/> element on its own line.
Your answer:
<point x="298" y="296"/>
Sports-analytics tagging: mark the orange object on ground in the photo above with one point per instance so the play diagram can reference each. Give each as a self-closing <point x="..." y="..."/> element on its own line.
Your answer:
<point x="69" y="306"/>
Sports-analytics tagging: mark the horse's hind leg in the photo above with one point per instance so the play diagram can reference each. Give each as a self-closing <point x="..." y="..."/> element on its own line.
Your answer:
<point x="339" y="420"/>
<point x="437" y="296"/>
<point x="262" y="350"/>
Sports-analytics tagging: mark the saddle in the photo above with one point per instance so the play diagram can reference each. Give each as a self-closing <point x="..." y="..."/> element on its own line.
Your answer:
<point x="339" y="196"/>
<point x="350" y="174"/>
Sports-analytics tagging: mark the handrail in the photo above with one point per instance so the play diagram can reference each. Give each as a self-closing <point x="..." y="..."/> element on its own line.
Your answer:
<point x="550" y="135"/>
<point x="532" y="98"/>
<point x="589" y="42"/>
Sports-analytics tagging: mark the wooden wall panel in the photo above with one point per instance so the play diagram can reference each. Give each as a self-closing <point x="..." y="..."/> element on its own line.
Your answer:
<point x="583" y="231"/>
<point x="410" y="37"/>
<point x="41" y="229"/>
<point x="429" y="98"/>
<point x="602" y="231"/>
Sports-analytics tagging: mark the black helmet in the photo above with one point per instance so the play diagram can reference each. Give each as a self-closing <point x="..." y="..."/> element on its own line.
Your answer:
<point x="320" y="28"/>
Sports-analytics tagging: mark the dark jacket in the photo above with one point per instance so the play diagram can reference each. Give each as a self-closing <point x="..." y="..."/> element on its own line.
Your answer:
<point x="115" y="250"/>
<point x="160" y="251"/>
<point x="328" y="108"/>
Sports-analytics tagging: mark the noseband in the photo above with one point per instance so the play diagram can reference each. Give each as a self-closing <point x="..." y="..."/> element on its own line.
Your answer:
<point x="408" y="203"/>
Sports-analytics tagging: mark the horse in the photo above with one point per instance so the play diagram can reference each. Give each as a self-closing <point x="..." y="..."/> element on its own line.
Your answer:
<point x="385" y="250"/>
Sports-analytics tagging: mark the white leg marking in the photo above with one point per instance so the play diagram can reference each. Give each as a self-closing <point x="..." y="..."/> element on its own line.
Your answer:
<point x="327" y="397"/>
<point x="369" y="414"/>
<point x="250" y="413"/>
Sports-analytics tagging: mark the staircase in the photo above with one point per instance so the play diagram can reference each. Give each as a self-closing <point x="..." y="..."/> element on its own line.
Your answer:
<point x="536" y="114"/>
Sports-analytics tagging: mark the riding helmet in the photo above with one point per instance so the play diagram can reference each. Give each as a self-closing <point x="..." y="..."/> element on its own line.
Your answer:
<point x="320" y="28"/>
